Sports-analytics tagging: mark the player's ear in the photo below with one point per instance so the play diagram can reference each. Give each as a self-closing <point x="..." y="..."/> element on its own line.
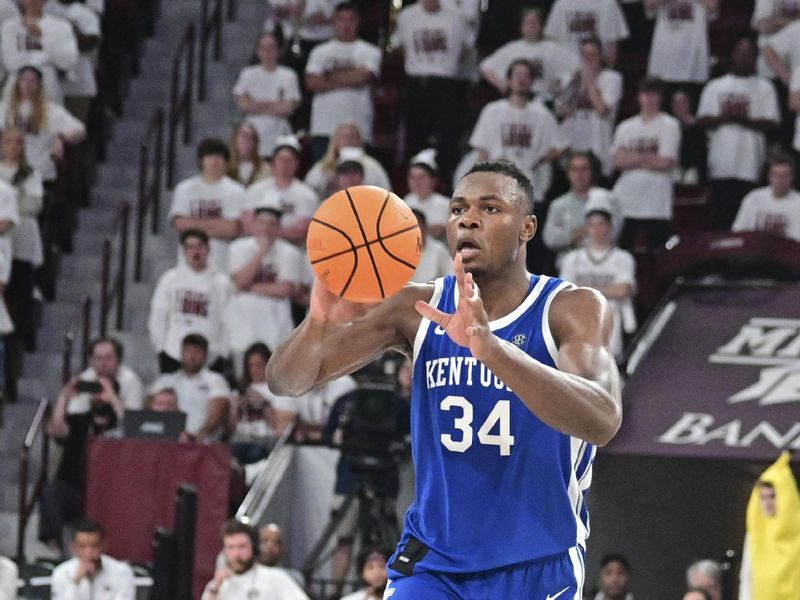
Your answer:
<point x="528" y="228"/>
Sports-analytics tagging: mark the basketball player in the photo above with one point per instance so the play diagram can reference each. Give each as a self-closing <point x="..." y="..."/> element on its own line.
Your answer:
<point x="513" y="388"/>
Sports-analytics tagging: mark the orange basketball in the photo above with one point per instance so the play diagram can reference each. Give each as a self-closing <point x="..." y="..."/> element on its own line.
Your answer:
<point x="364" y="243"/>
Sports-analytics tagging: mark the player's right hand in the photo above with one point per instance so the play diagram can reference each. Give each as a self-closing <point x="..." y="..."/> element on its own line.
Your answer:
<point x="324" y="305"/>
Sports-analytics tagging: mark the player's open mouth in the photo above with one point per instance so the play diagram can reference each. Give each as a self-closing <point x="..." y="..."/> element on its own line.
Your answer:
<point x="467" y="249"/>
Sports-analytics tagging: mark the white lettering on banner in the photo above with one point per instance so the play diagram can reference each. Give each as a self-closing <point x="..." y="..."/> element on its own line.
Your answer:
<point x="775" y="385"/>
<point x="696" y="429"/>
<point x="762" y="341"/>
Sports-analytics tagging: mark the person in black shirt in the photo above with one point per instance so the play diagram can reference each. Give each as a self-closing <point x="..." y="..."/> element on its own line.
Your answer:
<point x="62" y="498"/>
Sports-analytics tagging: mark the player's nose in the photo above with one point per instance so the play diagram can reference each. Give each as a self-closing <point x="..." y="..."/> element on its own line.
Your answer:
<point x="469" y="220"/>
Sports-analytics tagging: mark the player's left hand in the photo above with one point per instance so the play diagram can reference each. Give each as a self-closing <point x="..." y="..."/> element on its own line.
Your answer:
<point x="469" y="325"/>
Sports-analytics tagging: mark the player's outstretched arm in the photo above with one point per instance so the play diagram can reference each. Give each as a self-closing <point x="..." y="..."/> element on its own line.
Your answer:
<point x="338" y="337"/>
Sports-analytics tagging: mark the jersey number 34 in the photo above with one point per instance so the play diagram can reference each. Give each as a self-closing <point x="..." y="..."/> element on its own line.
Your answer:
<point x="499" y="419"/>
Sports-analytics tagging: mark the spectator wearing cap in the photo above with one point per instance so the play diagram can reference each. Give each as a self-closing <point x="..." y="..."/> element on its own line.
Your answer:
<point x="349" y="168"/>
<point x="423" y="177"/>
<point x="246" y="166"/>
<point x="610" y="270"/>
<point x="47" y="125"/>
<point x="265" y="270"/>
<point x="433" y="37"/>
<point x="435" y="260"/>
<point x="565" y="228"/>
<point x="211" y="201"/>
<point x="520" y="131"/>
<point x="284" y="192"/>
<point x="340" y="74"/>
<point x="268" y="93"/>
<point x="41" y="40"/>
<point x="189" y="298"/>
<point x="322" y="174"/>
<point x="550" y="61"/>
<point x="202" y="394"/>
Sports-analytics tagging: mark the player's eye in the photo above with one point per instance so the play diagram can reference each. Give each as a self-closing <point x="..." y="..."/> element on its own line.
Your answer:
<point x="491" y="209"/>
<point x="457" y="210"/>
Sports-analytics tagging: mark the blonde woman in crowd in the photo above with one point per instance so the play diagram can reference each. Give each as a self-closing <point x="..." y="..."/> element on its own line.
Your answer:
<point x="47" y="125"/>
<point x="246" y="166"/>
<point x="322" y="176"/>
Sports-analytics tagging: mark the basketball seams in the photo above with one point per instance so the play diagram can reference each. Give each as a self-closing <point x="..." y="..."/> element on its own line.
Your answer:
<point x="352" y="249"/>
<point x="381" y="238"/>
<point x="355" y="247"/>
<point x="364" y="237"/>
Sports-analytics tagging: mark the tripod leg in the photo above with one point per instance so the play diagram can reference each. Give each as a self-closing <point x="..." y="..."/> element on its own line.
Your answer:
<point x="313" y="560"/>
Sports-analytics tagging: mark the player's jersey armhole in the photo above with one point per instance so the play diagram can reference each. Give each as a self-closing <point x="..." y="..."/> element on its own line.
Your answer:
<point x="549" y="340"/>
<point x="438" y="287"/>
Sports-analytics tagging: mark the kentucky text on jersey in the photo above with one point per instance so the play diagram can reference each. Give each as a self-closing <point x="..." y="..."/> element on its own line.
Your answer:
<point x="449" y="370"/>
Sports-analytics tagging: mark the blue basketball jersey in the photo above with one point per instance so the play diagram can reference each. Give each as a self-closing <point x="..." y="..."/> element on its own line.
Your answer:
<point x="495" y="485"/>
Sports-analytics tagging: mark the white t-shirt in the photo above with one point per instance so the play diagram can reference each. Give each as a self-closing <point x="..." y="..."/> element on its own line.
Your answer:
<point x="114" y="581"/>
<point x="434" y="262"/>
<point x="772" y="9"/>
<point x="269" y="583"/>
<point x="435" y="207"/>
<point x="194" y="393"/>
<point x="329" y="109"/>
<point x="585" y="129"/>
<point x="680" y="42"/>
<point x="734" y="151"/>
<point x="185" y="301"/>
<point x="522" y="136"/>
<point x="587" y="267"/>
<point x="131" y="391"/>
<point x="794" y="86"/>
<point x="786" y="44"/>
<point x="26" y="238"/>
<point x="762" y="211"/>
<point x="551" y="63"/>
<point x="298" y="202"/>
<point x="268" y="86"/>
<point x="571" y="21"/>
<point x="568" y="212"/>
<point x="8" y="9"/>
<point x="432" y="42"/>
<point x="324" y="181"/>
<point x="81" y="80"/>
<point x="56" y="49"/>
<point x="250" y="317"/>
<point x="644" y="193"/>
<point x="195" y="197"/>
<point x="8" y="578"/>
<point x="58" y="121"/>
<point x="8" y="212"/>
<point x="307" y="31"/>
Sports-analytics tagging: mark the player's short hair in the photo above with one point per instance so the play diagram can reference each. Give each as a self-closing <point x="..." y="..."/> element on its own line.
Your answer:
<point x="87" y="526"/>
<point x="612" y="557"/>
<point x="234" y="527"/>
<point x="510" y="170"/>
<point x="213" y="146"/>
<point x="780" y="158"/>
<point x="119" y="349"/>
<point x="651" y="85"/>
<point x="516" y="63"/>
<point x="195" y="339"/>
<point x="194" y="233"/>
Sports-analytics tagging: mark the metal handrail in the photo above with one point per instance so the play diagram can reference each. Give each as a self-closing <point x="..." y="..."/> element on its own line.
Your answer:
<point x="180" y="101"/>
<point x="209" y="24"/>
<point x="81" y="322"/>
<point x="260" y="493"/>
<point x="114" y="290"/>
<point x="149" y="189"/>
<point x="26" y="504"/>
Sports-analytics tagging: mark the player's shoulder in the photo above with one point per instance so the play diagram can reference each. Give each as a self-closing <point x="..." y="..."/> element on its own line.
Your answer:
<point x="578" y="310"/>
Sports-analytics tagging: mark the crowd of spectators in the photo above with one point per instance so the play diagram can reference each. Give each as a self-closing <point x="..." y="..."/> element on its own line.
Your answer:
<point x="605" y="192"/>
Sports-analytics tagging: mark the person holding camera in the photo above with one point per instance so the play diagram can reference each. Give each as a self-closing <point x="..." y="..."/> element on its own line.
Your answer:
<point x="62" y="498"/>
